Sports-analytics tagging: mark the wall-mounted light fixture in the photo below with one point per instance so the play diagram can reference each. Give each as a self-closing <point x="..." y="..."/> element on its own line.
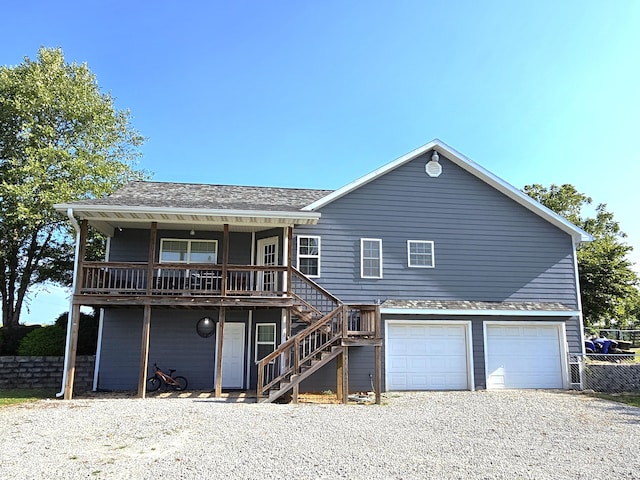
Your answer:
<point x="192" y="232"/>
<point x="206" y="327"/>
<point x="433" y="167"/>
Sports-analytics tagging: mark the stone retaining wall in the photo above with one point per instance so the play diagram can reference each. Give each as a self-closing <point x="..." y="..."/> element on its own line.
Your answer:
<point x="44" y="372"/>
<point x="612" y="378"/>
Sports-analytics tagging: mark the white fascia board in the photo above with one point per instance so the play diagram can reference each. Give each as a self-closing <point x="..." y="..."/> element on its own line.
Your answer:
<point x="313" y="216"/>
<point x="473" y="168"/>
<point x="504" y="313"/>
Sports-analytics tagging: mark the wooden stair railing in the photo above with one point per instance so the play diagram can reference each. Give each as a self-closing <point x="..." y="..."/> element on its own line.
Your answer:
<point x="311" y="302"/>
<point x="300" y="356"/>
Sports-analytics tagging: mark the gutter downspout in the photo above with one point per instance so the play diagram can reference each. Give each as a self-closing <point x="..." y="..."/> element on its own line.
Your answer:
<point x="67" y="347"/>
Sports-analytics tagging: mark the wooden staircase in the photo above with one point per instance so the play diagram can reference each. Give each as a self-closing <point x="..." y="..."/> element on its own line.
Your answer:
<point x="329" y="327"/>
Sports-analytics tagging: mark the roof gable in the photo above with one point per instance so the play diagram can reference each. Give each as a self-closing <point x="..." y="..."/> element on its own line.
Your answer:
<point x="470" y="166"/>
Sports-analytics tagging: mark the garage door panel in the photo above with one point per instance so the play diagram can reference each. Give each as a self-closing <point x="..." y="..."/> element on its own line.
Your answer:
<point x="426" y="357"/>
<point x="524" y="356"/>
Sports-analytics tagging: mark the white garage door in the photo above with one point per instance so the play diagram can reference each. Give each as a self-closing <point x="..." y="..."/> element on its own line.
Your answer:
<point x="524" y="356"/>
<point x="424" y="356"/>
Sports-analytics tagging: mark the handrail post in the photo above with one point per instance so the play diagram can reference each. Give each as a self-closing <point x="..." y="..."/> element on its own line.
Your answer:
<point x="345" y="321"/>
<point x="260" y="380"/>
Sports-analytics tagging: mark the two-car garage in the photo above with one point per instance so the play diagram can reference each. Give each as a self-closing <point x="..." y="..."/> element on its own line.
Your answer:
<point x="432" y="355"/>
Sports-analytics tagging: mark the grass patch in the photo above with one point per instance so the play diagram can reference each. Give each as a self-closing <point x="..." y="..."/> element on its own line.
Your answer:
<point x="22" y="395"/>
<point x="629" y="399"/>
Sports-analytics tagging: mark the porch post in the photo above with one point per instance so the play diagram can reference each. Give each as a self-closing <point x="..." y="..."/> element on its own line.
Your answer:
<point x="71" y="361"/>
<point x="74" y="318"/>
<point x="219" y="347"/>
<point x="153" y="235"/>
<point x="345" y="374"/>
<point x="225" y="259"/>
<point x="144" y="352"/>
<point x="377" y="385"/>
<point x="289" y="258"/>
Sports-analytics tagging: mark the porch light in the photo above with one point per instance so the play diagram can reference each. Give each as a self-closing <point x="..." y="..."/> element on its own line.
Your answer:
<point x="433" y="167"/>
<point x="206" y="327"/>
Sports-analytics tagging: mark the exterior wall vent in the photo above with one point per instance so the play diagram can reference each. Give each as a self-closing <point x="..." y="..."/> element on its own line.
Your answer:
<point x="433" y="167"/>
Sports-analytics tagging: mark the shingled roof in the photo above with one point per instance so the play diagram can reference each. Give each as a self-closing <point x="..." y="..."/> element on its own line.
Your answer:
<point x="194" y="195"/>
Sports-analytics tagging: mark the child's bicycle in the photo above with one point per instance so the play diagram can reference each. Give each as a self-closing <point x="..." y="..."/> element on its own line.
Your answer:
<point x="178" y="383"/>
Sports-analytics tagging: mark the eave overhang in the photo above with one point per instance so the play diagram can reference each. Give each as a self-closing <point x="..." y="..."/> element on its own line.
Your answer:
<point x="107" y="218"/>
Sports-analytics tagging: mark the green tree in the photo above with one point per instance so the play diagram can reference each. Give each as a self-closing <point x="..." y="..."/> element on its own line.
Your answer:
<point x="61" y="139"/>
<point x="608" y="283"/>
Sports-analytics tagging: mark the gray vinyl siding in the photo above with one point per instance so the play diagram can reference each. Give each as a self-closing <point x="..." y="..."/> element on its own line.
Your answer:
<point x="173" y="343"/>
<point x="487" y="246"/>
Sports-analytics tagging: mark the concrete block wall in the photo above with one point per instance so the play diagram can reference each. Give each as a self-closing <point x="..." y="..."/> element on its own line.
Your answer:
<point x="44" y="372"/>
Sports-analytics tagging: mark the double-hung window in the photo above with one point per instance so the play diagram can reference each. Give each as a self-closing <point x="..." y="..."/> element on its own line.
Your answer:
<point x="371" y="258"/>
<point x="188" y="251"/>
<point x="265" y="339"/>
<point x="309" y="255"/>
<point x="420" y="254"/>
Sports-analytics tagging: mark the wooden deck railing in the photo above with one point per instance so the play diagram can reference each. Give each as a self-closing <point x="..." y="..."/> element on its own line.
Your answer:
<point x="132" y="278"/>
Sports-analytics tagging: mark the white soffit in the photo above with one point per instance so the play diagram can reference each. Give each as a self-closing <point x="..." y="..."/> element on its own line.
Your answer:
<point x="106" y="218"/>
<point x="472" y="167"/>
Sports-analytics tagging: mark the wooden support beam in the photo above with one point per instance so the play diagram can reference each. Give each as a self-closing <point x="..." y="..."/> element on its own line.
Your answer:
<point x="225" y="258"/>
<point x="377" y="382"/>
<point x="153" y="236"/>
<point x="71" y="359"/>
<point x="144" y="352"/>
<point x="289" y="258"/>
<point x="84" y="233"/>
<point x="219" y="348"/>
<point x="345" y="374"/>
<point x="377" y="385"/>
<point x="339" y="377"/>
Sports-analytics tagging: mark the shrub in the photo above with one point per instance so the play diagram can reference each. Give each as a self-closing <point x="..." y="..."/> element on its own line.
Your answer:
<point x="43" y="341"/>
<point x="10" y="338"/>
<point x="88" y="334"/>
<point x="50" y="341"/>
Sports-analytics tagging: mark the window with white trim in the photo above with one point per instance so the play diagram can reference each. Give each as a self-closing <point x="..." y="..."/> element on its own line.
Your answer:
<point x="420" y="254"/>
<point x="265" y="339"/>
<point x="188" y="251"/>
<point x="371" y="258"/>
<point x="309" y="255"/>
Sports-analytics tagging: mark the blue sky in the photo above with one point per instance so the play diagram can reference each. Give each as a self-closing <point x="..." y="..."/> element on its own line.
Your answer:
<point x="316" y="94"/>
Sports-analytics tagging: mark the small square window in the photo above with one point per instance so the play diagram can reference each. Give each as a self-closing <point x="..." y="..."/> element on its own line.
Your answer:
<point x="420" y="254"/>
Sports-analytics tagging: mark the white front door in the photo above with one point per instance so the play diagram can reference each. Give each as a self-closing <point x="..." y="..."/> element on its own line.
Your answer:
<point x="233" y="355"/>
<point x="267" y="255"/>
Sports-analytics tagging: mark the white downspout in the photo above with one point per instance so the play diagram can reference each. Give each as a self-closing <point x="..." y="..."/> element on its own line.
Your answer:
<point x="67" y="347"/>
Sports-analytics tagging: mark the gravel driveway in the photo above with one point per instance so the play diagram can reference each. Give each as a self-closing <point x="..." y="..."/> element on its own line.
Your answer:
<point x="466" y="435"/>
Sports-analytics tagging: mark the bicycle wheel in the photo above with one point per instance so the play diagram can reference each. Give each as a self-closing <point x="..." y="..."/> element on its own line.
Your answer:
<point x="153" y="383"/>
<point x="181" y="383"/>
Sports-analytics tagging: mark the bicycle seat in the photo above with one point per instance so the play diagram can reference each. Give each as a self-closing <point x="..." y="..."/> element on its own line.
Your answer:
<point x="171" y="370"/>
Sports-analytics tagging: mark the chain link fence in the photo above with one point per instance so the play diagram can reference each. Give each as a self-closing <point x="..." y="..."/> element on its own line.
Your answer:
<point x="611" y="373"/>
